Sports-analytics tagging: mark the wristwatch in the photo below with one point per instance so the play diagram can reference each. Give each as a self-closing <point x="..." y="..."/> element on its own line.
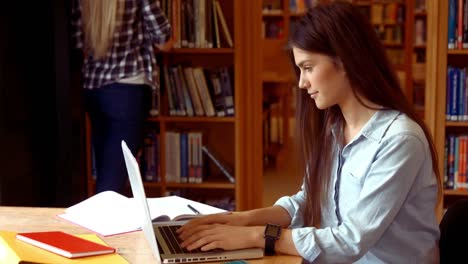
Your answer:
<point x="272" y="233"/>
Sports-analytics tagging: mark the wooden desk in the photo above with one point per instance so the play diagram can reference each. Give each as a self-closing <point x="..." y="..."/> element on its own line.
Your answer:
<point x="132" y="246"/>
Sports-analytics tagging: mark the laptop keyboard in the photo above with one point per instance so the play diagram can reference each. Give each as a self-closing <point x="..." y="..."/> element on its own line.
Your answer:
<point x="172" y="239"/>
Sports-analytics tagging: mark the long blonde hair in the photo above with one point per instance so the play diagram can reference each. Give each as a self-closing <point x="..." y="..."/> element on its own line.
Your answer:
<point x="100" y="18"/>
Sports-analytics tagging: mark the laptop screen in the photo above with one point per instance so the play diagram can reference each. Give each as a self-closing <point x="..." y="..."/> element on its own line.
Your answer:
<point x="140" y="198"/>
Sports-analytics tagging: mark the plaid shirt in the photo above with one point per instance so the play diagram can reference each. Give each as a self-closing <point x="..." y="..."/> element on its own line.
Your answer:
<point x="132" y="50"/>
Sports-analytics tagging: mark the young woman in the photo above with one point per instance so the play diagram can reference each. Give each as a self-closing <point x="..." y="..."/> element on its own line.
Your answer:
<point x="370" y="170"/>
<point x="117" y="38"/>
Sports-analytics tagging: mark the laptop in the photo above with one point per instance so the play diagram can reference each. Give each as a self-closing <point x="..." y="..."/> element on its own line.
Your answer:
<point x="162" y="238"/>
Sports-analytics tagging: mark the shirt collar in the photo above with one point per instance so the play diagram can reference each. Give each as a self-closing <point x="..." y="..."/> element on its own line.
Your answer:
<point x="376" y="126"/>
<point x="379" y="124"/>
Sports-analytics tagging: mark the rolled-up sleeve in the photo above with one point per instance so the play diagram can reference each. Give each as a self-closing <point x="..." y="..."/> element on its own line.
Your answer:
<point x="294" y="205"/>
<point x="155" y="22"/>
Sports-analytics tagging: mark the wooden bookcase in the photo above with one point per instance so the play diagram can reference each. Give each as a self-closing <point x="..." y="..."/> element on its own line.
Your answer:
<point x="407" y="19"/>
<point x="237" y="138"/>
<point x="407" y="53"/>
<point x="438" y="59"/>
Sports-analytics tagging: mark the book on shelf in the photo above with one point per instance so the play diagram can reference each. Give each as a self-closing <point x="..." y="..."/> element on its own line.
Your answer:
<point x="155" y="99"/>
<point x="226" y="85"/>
<point x="226" y="170"/>
<point x="195" y="91"/>
<point x="216" y="41"/>
<point x="149" y="157"/>
<point x="202" y="86"/>
<point x="224" y="27"/>
<point x="452" y="22"/>
<point x="109" y="213"/>
<point x="64" y="244"/>
<point x="216" y="91"/>
<point x="14" y="251"/>
<point x="183" y="160"/>
<point x="182" y="92"/>
<point x="195" y="23"/>
<point x="170" y="93"/>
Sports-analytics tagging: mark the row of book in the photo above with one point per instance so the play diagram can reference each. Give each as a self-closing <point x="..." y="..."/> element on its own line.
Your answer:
<point x="457" y="94"/>
<point x="455" y="170"/>
<point x="198" y="92"/>
<point x="273" y="29"/>
<point x="420" y="32"/>
<point x="185" y="155"/>
<point x="197" y="23"/>
<point x="389" y="13"/>
<point x="390" y="35"/>
<point x="184" y="161"/>
<point x="295" y="6"/>
<point x="458" y="24"/>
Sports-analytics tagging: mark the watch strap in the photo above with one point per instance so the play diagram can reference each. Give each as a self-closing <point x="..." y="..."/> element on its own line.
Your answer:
<point x="270" y="246"/>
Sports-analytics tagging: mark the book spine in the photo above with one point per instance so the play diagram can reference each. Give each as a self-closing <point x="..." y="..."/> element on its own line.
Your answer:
<point x="465" y="24"/>
<point x="452" y="24"/>
<point x="178" y="91"/>
<point x="192" y="158"/>
<point x="214" y="87"/>
<point x="184" y="153"/>
<point x="199" y="158"/>
<point x="170" y="94"/>
<point x="461" y="94"/>
<point x="203" y="91"/>
<point x="217" y="43"/>
<point x="451" y="162"/>
<point x="227" y="91"/>
<point x="224" y="26"/>
<point x="192" y="87"/>
<point x="183" y="84"/>
<point x="460" y="25"/>
<point x="449" y="93"/>
<point x="446" y="153"/>
<point x="218" y="164"/>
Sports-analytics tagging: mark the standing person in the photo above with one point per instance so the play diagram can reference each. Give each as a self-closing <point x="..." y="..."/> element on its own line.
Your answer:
<point x="117" y="38"/>
<point x="370" y="170"/>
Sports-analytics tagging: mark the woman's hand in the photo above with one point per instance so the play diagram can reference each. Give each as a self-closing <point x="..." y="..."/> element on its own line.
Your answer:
<point x="231" y="218"/>
<point x="227" y="237"/>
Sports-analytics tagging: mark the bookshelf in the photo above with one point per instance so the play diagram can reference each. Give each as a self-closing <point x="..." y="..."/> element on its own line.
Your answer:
<point x="278" y="79"/>
<point x="439" y="58"/>
<point x="235" y="138"/>
<point x="402" y="27"/>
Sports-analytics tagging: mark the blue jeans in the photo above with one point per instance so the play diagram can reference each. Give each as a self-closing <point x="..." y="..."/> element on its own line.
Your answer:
<point x="117" y="111"/>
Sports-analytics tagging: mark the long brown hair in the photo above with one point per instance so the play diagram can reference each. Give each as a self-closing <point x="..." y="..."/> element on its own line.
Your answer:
<point x="100" y="19"/>
<point x="340" y="31"/>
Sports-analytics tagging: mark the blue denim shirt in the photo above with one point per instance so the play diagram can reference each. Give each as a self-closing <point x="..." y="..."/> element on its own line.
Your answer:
<point x="381" y="201"/>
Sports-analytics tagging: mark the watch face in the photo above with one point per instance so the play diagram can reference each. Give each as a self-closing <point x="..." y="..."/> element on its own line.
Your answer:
<point x="272" y="230"/>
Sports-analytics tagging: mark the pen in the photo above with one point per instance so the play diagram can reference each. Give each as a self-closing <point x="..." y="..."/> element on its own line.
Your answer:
<point x="193" y="209"/>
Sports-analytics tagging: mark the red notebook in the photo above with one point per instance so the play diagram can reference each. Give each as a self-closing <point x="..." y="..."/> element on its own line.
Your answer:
<point x="64" y="244"/>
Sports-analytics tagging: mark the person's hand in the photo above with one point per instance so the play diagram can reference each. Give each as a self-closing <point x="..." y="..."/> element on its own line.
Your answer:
<point x="227" y="237"/>
<point x="231" y="218"/>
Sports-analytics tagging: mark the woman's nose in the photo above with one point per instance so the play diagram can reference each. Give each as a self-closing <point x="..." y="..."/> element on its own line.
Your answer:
<point x="303" y="84"/>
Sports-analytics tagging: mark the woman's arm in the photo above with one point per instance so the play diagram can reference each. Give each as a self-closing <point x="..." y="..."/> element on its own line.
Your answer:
<point x="260" y="217"/>
<point x="155" y="23"/>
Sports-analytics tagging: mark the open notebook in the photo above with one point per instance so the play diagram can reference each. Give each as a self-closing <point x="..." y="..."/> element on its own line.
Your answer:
<point x="97" y="212"/>
<point x="161" y="237"/>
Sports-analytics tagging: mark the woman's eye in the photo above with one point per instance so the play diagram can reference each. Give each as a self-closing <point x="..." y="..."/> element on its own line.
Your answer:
<point x="308" y="69"/>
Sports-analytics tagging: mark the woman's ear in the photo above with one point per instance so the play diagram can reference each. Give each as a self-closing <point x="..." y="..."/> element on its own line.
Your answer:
<point x="339" y="65"/>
